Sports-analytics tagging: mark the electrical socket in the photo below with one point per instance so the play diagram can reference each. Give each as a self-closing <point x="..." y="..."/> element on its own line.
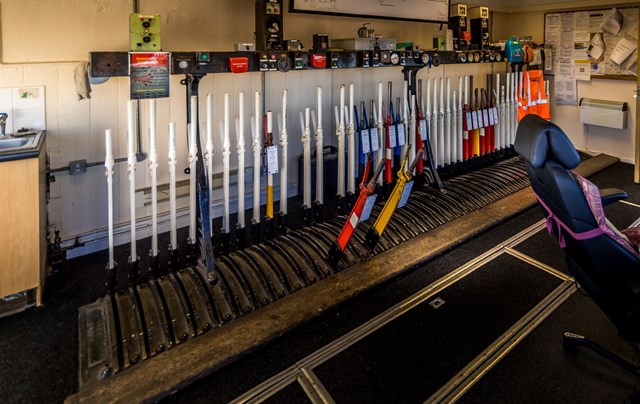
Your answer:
<point x="77" y="167"/>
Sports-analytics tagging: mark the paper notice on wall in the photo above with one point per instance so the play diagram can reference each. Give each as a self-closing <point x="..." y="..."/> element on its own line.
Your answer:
<point x="595" y="20"/>
<point x="630" y="23"/>
<point x="629" y="66"/>
<point x="583" y="70"/>
<point x="612" y="22"/>
<point x="581" y="26"/>
<point x="597" y="69"/>
<point x="552" y="36"/>
<point x="537" y="57"/>
<point x="567" y="22"/>
<point x="548" y="60"/>
<point x="623" y="49"/>
<point x="565" y="88"/>
<point x="552" y="21"/>
<point x="596" y="48"/>
<point x="633" y="69"/>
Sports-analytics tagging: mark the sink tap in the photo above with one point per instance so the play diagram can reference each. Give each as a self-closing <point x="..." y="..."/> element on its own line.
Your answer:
<point x="3" y="124"/>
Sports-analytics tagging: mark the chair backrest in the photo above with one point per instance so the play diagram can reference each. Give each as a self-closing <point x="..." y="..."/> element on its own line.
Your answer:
<point x="608" y="272"/>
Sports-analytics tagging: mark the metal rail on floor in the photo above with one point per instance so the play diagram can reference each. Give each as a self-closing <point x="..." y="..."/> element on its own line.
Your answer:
<point x="470" y="374"/>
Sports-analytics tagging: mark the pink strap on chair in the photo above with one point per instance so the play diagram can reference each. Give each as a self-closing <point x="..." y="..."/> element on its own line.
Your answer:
<point x="561" y="226"/>
<point x="594" y="200"/>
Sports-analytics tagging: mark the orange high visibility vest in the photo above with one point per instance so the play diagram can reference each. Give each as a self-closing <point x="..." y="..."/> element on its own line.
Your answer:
<point x="532" y="97"/>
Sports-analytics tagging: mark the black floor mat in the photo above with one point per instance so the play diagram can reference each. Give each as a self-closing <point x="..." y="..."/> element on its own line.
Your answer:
<point x="413" y="356"/>
<point x="539" y="371"/>
<point x="545" y="248"/>
<point x="293" y="393"/>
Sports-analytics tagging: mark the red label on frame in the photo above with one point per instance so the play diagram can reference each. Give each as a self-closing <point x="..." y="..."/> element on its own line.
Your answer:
<point x="318" y="60"/>
<point x="239" y="65"/>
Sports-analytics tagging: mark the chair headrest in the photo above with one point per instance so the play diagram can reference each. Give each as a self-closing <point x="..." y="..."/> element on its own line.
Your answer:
<point x="538" y="140"/>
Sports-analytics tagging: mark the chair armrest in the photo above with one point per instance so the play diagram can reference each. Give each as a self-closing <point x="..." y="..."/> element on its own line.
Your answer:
<point x="610" y="195"/>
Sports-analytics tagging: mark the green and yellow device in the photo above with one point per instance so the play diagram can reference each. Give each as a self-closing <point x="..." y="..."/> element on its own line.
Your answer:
<point x="145" y="32"/>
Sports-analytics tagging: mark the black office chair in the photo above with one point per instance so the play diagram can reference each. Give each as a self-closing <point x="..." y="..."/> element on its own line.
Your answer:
<point x="605" y="265"/>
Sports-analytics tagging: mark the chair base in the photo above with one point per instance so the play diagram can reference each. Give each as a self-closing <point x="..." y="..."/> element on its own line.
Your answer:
<point x="571" y="341"/>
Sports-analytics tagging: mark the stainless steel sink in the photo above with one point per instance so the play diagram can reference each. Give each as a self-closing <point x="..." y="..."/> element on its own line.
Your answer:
<point x="20" y="143"/>
<point x="12" y="142"/>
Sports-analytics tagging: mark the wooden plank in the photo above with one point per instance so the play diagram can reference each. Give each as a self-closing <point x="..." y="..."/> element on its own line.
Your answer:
<point x="19" y="226"/>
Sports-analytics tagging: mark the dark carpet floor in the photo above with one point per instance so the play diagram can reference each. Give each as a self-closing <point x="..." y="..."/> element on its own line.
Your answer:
<point x="38" y="362"/>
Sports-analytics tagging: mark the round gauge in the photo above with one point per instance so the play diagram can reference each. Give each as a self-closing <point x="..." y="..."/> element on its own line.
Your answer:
<point x="395" y="58"/>
<point x="492" y="56"/>
<point x="425" y="58"/>
<point x="462" y="57"/>
<point x="470" y="57"/>
<point x="283" y="64"/>
<point x="498" y="56"/>
<point x="476" y="57"/>
<point x="183" y="64"/>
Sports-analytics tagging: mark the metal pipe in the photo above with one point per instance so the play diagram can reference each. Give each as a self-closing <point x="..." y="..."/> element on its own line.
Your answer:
<point x="460" y="135"/>
<point x="193" y="155"/>
<point x="413" y="132"/>
<point x="319" y="151"/>
<point x="226" y="154"/>
<point x="131" y="161"/>
<point x="109" y="164"/>
<point x="498" y="127"/>
<point x="241" y="150"/>
<point x="447" y="119"/>
<point x="467" y="120"/>
<point x="454" y="128"/>
<point x="269" y="143"/>
<point x="306" y="143"/>
<point x="351" y="148"/>
<point x="153" y="165"/>
<point x="433" y="140"/>
<point x="256" y="159"/>
<point x="209" y="154"/>
<point x="405" y="118"/>
<point x="379" y="124"/>
<point x="172" y="188"/>
<point x="340" y="135"/>
<point x="284" y="142"/>
<point x="509" y="108"/>
<point x="441" y="124"/>
<point x="435" y="123"/>
<point x="515" y="106"/>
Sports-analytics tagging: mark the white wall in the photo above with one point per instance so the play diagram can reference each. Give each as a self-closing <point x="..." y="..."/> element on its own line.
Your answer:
<point x="616" y="142"/>
<point x="60" y="33"/>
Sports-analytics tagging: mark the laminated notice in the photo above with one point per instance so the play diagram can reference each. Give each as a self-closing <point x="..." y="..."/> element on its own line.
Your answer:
<point x="368" y="207"/>
<point x="272" y="160"/>
<point x="406" y="192"/>
<point x="364" y="141"/>
<point x="375" y="145"/>
<point x="392" y="136"/>
<point x="469" y="120"/>
<point x="423" y="130"/>
<point x="401" y="135"/>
